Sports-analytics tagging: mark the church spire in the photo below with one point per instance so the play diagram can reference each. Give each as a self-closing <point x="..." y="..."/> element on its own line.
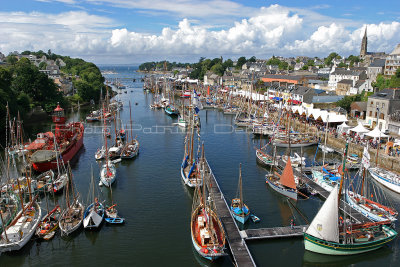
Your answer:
<point x="364" y="43"/>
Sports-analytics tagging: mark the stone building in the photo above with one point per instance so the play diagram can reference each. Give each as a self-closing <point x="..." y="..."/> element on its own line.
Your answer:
<point x="384" y="103"/>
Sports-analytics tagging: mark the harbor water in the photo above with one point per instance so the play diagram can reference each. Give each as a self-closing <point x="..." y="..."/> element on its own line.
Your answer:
<point x="156" y="204"/>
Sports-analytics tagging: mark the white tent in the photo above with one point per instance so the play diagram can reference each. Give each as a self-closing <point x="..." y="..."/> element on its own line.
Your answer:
<point x="343" y="128"/>
<point x="376" y="133"/>
<point x="359" y="129"/>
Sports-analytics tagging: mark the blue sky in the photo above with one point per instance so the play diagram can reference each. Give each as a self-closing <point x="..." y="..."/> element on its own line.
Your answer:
<point x="125" y="31"/>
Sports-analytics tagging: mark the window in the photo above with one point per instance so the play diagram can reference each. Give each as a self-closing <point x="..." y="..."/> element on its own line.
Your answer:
<point x="382" y="116"/>
<point x="376" y="114"/>
<point x="370" y="113"/>
<point x="372" y="102"/>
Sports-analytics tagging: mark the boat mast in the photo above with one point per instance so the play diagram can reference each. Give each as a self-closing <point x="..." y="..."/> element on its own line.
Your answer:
<point x="240" y="187"/>
<point x="342" y="175"/>
<point x="130" y="119"/>
<point x="326" y="135"/>
<point x="105" y="138"/>
<point x="191" y="142"/>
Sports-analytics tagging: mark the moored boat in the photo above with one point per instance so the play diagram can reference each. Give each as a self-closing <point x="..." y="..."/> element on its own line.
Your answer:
<point x="69" y="140"/>
<point x="20" y="230"/>
<point x="239" y="210"/>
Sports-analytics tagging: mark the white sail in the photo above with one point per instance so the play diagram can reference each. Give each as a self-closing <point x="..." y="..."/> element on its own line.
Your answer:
<point x="366" y="158"/>
<point x="325" y="224"/>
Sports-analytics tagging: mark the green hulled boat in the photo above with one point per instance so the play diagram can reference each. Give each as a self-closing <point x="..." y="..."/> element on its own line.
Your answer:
<point x="325" y="236"/>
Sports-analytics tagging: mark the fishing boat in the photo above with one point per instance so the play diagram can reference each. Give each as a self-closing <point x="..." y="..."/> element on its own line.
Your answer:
<point x="264" y="158"/>
<point x="49" y="224"/>
<point x="325" y="236"/>
<point x="68" y="138"/>
<point x="284" y="184"/>
<point x="239" y="210"/>
<point x="21" y="229"/>
<point x="208" y="236"/>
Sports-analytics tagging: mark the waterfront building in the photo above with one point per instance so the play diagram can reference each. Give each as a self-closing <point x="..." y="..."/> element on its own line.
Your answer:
<point x="382" y="104"/>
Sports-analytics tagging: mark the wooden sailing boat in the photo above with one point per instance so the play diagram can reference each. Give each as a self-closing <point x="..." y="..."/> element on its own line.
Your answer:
<point x="285" y="183"/>
<point x="366" y="203"/>
<point x="72" y="217"/>
<point x="112" y="213"/>
<point x="107" y="171"/>
<point x="239" y="210"/>
<point x="49" y="224"/>
<point x="94" y="213"/>
<point x="23" y="226"/>
<point x="131" y="148"/>
<point x="325" y="236"/>
<point x="190" y="166"/>
<point x="208" y="236"/>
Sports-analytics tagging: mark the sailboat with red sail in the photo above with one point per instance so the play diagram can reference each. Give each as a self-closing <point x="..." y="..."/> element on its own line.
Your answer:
<point x="285" y="183"/>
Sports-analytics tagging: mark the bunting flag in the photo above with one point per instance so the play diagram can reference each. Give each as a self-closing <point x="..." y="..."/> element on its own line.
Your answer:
<point x="365" y="158"/>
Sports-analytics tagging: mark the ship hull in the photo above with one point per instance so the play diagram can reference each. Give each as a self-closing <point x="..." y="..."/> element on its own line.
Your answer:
<point x="317" y="245"/>
<point x="67" y="155"/>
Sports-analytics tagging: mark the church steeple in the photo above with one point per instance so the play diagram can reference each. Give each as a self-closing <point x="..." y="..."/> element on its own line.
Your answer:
<point x="364" y="43"/>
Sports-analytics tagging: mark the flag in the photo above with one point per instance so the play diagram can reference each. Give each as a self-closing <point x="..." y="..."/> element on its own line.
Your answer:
<point x="196" y="102"/>
<point x="365" y="158"/>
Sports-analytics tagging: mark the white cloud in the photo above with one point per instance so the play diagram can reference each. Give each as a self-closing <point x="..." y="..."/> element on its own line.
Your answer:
<point x="271" y="30"/>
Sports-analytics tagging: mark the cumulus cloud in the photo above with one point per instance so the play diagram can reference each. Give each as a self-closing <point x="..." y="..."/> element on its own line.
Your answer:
<point x="271" y="30"/>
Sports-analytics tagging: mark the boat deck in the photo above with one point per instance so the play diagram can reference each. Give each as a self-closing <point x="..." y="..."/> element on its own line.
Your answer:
<point x="240" y="252"/>
<point x="275" y="232"/>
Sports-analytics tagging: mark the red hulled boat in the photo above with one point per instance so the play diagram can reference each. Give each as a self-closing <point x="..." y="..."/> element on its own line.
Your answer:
<point x="69" y="138"/>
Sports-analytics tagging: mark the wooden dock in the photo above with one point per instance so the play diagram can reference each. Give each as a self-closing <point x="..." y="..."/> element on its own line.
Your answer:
<point x="240" y="251"/>
<point x="275" y="232"/>
<point x="351" y="212"/>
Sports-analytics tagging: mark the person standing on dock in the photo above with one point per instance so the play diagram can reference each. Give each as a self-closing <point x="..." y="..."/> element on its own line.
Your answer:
<point x="291" y="224"/>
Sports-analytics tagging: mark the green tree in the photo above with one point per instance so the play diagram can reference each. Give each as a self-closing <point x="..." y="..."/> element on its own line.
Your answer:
<point x="218" y="69"/>
<point x="240" y="62"/>
<point x="11" y="59"/>
<point x="227" y="64"/>
<point x="253" y="59"/>
<point x="42" y="65"/>
<point x="342" y="65"/>
<point x="328" y="60"/>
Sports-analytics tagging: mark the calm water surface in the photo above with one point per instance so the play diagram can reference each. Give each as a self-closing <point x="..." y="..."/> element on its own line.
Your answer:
<point x="156" y="204"/>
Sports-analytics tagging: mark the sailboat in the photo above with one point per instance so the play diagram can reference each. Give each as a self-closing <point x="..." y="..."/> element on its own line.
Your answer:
<point x="365" y="203"/>
<point x="94" y="213"/>
<point x="325" y="236"/>
<point x="108" y="170"/>
<point x="49" y="224"/>
<point x="23" y="226"/>
<point x="72" y="217"/>
<point x="208" y="236"/>
<point x="285" y="183"/>
<point x="239" y="210"/>
<point x="112" y="213"/>
<point x="131" y="148"/>
<point x="189" y="168"/>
